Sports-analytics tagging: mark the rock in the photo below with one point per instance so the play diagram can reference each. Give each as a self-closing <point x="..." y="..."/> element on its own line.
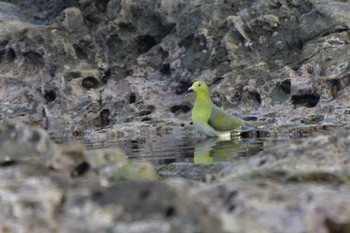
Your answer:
<point x="108" y="156"/>
<point x="112" y="165"/>
<point x="298" y="186"/>
<point x="43" y="11"/>
<point x="273" y="206"/>
<point x="69" y="65"/>
<point x="78" y="191"/>
<point x="307" y="155"/>
<point x="135" y="171"/>
<point x="200" y="172"/>
<point x="19" y="142"/>
<point x="31" y="196"/>
<point x="71" y="160"/>
<point x="119" y="61"/>
<point x="134" y="206"/>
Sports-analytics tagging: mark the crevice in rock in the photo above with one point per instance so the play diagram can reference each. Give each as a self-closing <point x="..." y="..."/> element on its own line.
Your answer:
<point x="255" y="96"/>
<point x="49" y="96"/>
<point x="146" y="119"/>
<point x="285" y="86"/>
<point x="106" y="75"/>
<point x="181" y="108"/>
<point x="132" y="98"/>
<point x="73" y="75"/>
<point x="90" y="82"/>
<point x="101" y="5"/>
<point x="145" y="43"/>
<point x="182" y="87"/>
<point x="147" y="110"/>
<point x="309" y="100"/>
<point x="3" y="43"/>
<point x="170" y="212"/>
<point x="8" y="163"/>
<point x="81" y="169"/>
<point x="335" y="30"/>
<point x="104" y="114"/>
<point x="186" y="42"/>
<point x="9" y="55"/>
<point x="80" y="52"/>
<point x="2" y="54"/>
<point x="34" y="58"/>
<point x="129" y="27"/>
<point x="165" y="69"/>
<point x="335" y="87"/>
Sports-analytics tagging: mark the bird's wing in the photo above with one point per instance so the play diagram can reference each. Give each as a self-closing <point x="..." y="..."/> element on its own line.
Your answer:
<point x="205" y="128"/>
<point x="223" y="121"/>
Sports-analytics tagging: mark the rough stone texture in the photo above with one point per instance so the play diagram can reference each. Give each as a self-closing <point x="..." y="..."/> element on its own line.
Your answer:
<point x="294" y="187"/>
<point x="82" y="64"/>
<point x="95" y="63"/>
<point x="97" y="191"/>
<point x="135" y="206"/>
<point x="19" y="141"/>
<point x="43" y="11"/>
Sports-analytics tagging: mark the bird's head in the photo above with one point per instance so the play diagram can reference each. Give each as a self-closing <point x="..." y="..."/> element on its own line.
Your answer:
<point x="199" y="87"/>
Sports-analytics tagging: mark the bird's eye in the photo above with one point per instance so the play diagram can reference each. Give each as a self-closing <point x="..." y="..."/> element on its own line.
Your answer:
<point x="199" y="84"/>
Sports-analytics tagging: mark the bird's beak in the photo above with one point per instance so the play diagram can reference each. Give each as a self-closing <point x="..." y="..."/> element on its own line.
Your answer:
<point x="191" y="88"/>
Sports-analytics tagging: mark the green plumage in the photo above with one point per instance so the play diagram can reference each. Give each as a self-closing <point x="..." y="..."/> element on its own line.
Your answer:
<point x="210" y="119"/>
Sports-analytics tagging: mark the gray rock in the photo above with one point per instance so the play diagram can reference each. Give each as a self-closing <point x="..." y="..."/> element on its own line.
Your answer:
<point x="43" y="11"/>
<point x="109" y="62"/>
<point x="19" y="142"/>
<point x="72" y="65"/>
<point x="97" y="191"/>
<point x="135" y="206"/>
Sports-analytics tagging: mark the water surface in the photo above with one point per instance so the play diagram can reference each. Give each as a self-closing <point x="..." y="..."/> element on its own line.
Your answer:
<point x="176" y="148"/>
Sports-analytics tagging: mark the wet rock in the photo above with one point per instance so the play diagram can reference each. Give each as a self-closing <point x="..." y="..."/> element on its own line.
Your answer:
<point x="112" y="165"/>
<point x="302" y="186"/>
<point x="19" y="142"/>
<point x="135" y="171"/>
<point x="320" y="153"/>
<point x="198" y="172"/>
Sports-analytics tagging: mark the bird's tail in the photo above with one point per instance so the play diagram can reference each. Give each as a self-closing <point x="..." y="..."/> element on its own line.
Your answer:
<point x="248" y="126"/>
<point x="256" y="123"/>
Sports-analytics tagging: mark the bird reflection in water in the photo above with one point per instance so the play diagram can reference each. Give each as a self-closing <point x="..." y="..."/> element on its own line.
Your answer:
<point x="214" y="150"/>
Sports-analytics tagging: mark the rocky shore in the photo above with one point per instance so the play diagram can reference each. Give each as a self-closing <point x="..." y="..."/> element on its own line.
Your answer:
<point x="120" y="69"/>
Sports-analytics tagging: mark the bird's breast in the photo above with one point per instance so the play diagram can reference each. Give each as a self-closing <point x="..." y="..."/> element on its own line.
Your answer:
<point x="200" y="113"/>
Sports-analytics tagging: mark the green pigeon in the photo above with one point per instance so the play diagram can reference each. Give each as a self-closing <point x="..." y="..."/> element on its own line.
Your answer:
<point x="211" y="120"/>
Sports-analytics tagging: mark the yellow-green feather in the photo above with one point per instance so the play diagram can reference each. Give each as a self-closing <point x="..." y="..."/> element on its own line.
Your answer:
<point x="210" y="119"/>
<point x="222" y="121"/>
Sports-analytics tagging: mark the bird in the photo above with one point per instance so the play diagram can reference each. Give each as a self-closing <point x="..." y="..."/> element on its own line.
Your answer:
<point x="211" y="120"/>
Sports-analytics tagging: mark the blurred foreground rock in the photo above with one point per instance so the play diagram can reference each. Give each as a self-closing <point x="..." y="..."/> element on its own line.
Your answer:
<point x="295" y="187"/>
<point x="75" y="190"/>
